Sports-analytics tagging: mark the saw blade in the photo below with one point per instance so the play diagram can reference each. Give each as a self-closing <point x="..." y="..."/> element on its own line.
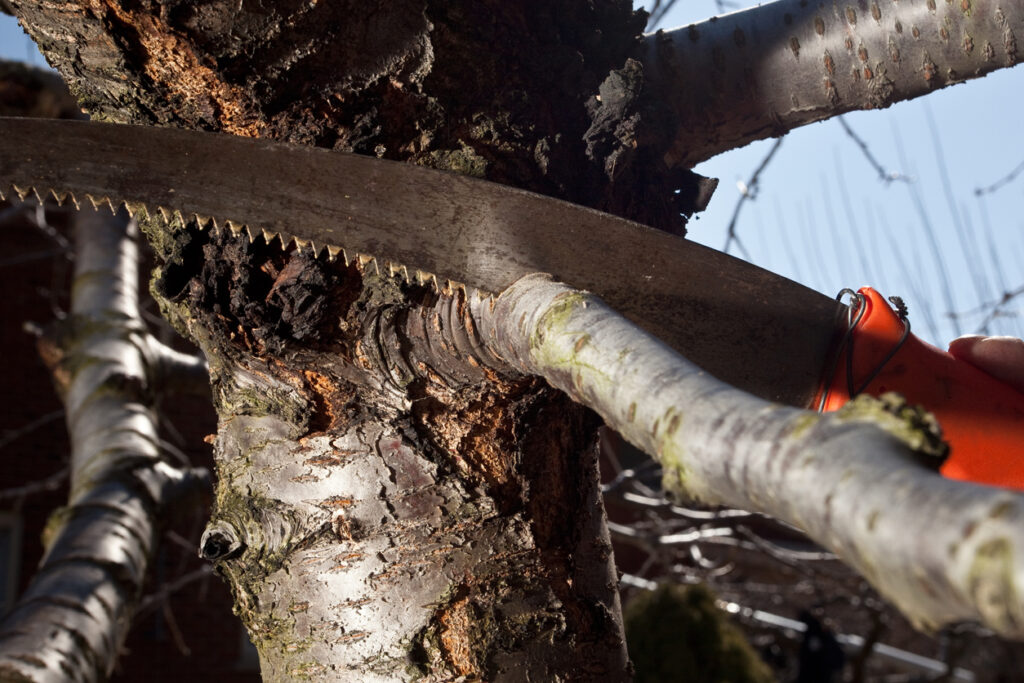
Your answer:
<point x="749" y="327"/>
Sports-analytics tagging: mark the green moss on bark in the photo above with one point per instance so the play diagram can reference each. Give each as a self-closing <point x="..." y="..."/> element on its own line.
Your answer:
<point x="676" y="633"/>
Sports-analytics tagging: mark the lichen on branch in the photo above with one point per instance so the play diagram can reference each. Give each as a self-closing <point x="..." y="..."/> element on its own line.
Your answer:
<point x="943" y="551"/>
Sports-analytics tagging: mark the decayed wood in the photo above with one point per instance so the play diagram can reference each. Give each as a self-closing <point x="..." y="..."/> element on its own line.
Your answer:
<point x="943" y="551"/>
<point x="317" y="353"/>
<point x="70" y="623"/>
<point x="388" y="508"/>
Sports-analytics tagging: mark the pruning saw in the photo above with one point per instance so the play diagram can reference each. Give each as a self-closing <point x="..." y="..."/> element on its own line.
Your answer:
<point x="747" y="326"/>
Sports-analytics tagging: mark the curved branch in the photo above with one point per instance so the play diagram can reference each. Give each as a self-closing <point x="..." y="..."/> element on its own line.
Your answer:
<point x="942" y="551"/>
<point x="761" y="72"/>
<point x="177" y="371"/>
<point x="75" y="614"/>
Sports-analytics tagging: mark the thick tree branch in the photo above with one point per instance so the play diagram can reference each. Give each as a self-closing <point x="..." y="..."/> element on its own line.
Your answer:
<point x="71" y="621"/>
<point x="942" y="551"/>
<point x="761" y="72"/>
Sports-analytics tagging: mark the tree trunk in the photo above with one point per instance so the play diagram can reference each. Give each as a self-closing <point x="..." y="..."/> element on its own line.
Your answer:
<point x="388" y="507"/>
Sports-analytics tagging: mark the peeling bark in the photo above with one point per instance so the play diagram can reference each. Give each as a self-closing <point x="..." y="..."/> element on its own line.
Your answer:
<point x="72" y="620"/>
<point x="942" y="551"/>
<point x="388" y="506"/>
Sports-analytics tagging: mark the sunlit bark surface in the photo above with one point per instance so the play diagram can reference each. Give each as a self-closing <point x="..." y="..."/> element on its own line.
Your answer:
<point x="391" y="503"/>
<point x="763" y="71"/>
<point x="857" y="481"/>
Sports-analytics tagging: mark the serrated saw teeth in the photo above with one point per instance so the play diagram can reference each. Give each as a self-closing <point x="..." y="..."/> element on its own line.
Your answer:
<point x="364" y="262"/>
<point x="95" y="202"/>
<point x="136" y="210"/>
<point x="60" y="197"/>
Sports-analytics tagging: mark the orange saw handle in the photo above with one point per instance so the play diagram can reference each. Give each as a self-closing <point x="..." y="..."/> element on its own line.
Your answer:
<point x="982" y="419"/>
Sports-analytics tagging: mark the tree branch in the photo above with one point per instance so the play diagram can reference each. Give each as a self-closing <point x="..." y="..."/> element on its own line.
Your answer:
<point x="75" y="614"/>
<point x="942" y="551"/>
<point x="762" y="72"/>
<point x="177" y="371"/>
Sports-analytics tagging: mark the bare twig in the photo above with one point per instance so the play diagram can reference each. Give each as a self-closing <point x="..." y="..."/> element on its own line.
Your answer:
<point x="967" y="245"/>
<point x="168" y="589"/>
<point x="41" y="421"/>
<point x="748" y="191"/>
<point x="657" y="13"/>
<point x="1005" y="180"/>
<point x="172" y="626"/>
<point x="997" y="309"/>
<point x="50" y="483"/>
<point x="883" y="174"/>
<point x="930" y="239"/>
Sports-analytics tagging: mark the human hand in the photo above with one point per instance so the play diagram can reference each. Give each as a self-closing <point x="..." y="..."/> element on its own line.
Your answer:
<point x="1001" y="357"/>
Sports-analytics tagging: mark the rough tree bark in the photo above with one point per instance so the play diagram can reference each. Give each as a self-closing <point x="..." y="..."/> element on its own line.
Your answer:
<point x="386" y="508"/>
<point x="389" y="506"/>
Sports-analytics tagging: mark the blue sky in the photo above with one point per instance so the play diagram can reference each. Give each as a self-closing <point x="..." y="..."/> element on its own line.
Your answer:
<point x="824" y="218"/>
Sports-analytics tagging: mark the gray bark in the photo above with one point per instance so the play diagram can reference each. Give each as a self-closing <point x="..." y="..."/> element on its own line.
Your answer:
<point x="359" y="551"/>
<point x="943" y="551"/>
<point x="70" y="623"/>
<point x="763" y="71"/>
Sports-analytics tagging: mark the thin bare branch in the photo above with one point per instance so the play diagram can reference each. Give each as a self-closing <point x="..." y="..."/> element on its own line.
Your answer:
<point x="47" y="485"/>
<point x="884" y="175"/>
<point x="748" y="192"/>
<point x="177" y="371"/>
<point x="168" y="589"/>
<point x="41" y="421"/>
<point x="1002" y="182"/>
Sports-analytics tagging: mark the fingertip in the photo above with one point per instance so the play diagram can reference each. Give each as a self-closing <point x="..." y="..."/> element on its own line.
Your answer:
<point x="1001" y="357"/>
<point x="961" y="346"/>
